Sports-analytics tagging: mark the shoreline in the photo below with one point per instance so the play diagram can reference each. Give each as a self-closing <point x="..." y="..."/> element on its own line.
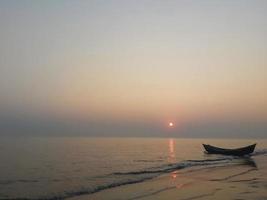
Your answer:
<point x="221" y="182"/>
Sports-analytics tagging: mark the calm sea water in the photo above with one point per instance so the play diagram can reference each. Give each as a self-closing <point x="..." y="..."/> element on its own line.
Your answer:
<point x="59" y="168"/>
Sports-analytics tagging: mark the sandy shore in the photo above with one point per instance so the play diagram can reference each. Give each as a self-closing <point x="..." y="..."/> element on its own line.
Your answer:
<point x="237" y="181"/>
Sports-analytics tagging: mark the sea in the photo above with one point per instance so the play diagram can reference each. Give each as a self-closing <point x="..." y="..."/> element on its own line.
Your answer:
<point x="53" y="168"/>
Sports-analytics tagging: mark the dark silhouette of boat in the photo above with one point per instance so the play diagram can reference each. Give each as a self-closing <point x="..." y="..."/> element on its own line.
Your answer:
<point x="234" y="152"/>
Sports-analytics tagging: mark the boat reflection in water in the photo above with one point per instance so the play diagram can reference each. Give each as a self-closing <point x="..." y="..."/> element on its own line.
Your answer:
<point x="231" y="161"/>
<point x="249" y="161"/>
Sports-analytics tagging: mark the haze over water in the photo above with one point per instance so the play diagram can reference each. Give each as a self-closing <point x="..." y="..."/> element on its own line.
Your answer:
<point x="122" y="68"/>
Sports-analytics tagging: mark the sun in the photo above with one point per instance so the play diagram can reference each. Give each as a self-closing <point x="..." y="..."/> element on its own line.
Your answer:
<point x="171" y="124"/>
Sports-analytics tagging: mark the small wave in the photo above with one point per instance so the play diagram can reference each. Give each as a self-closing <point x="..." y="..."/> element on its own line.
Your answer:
<point x="178" y="166"/>
<point x="212" y="160"/>
<point x="244" y="180"/>
<point x="87" y="191"/>
<point x="149" y="161"/>
<point x="259" y="152"/>
<point x="7" y="182"/>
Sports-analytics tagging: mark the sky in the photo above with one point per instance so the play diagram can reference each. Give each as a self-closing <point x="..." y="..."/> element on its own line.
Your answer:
<point x="128" y="68"/>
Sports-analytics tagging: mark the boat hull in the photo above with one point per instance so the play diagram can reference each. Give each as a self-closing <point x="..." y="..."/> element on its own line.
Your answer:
<point x="235" y="152"/>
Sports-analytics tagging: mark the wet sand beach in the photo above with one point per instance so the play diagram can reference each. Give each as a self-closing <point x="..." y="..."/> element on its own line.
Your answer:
<point x="241" y="180"/>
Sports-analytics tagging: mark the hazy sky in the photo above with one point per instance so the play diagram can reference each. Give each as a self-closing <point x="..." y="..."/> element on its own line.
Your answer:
<point x="130" y="67"/>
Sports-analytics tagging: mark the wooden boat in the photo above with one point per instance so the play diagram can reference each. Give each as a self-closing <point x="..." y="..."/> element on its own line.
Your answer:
<point x="235" y="152"/>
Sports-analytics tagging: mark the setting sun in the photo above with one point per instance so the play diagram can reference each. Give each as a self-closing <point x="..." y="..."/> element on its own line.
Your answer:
<point x="171" y="124"/>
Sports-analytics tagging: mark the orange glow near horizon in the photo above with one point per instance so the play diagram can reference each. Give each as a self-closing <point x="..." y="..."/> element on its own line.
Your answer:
<point x="171" y="124"/>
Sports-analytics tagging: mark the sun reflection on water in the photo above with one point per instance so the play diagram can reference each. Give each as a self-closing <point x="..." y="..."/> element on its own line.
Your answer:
<point x="171" y="157"/>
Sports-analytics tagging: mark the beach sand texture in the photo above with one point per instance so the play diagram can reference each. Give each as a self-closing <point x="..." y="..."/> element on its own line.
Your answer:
<point x="246" y="179"/>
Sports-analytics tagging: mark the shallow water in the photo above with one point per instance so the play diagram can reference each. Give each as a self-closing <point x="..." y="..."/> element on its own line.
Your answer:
<point x="59" y="168"/>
